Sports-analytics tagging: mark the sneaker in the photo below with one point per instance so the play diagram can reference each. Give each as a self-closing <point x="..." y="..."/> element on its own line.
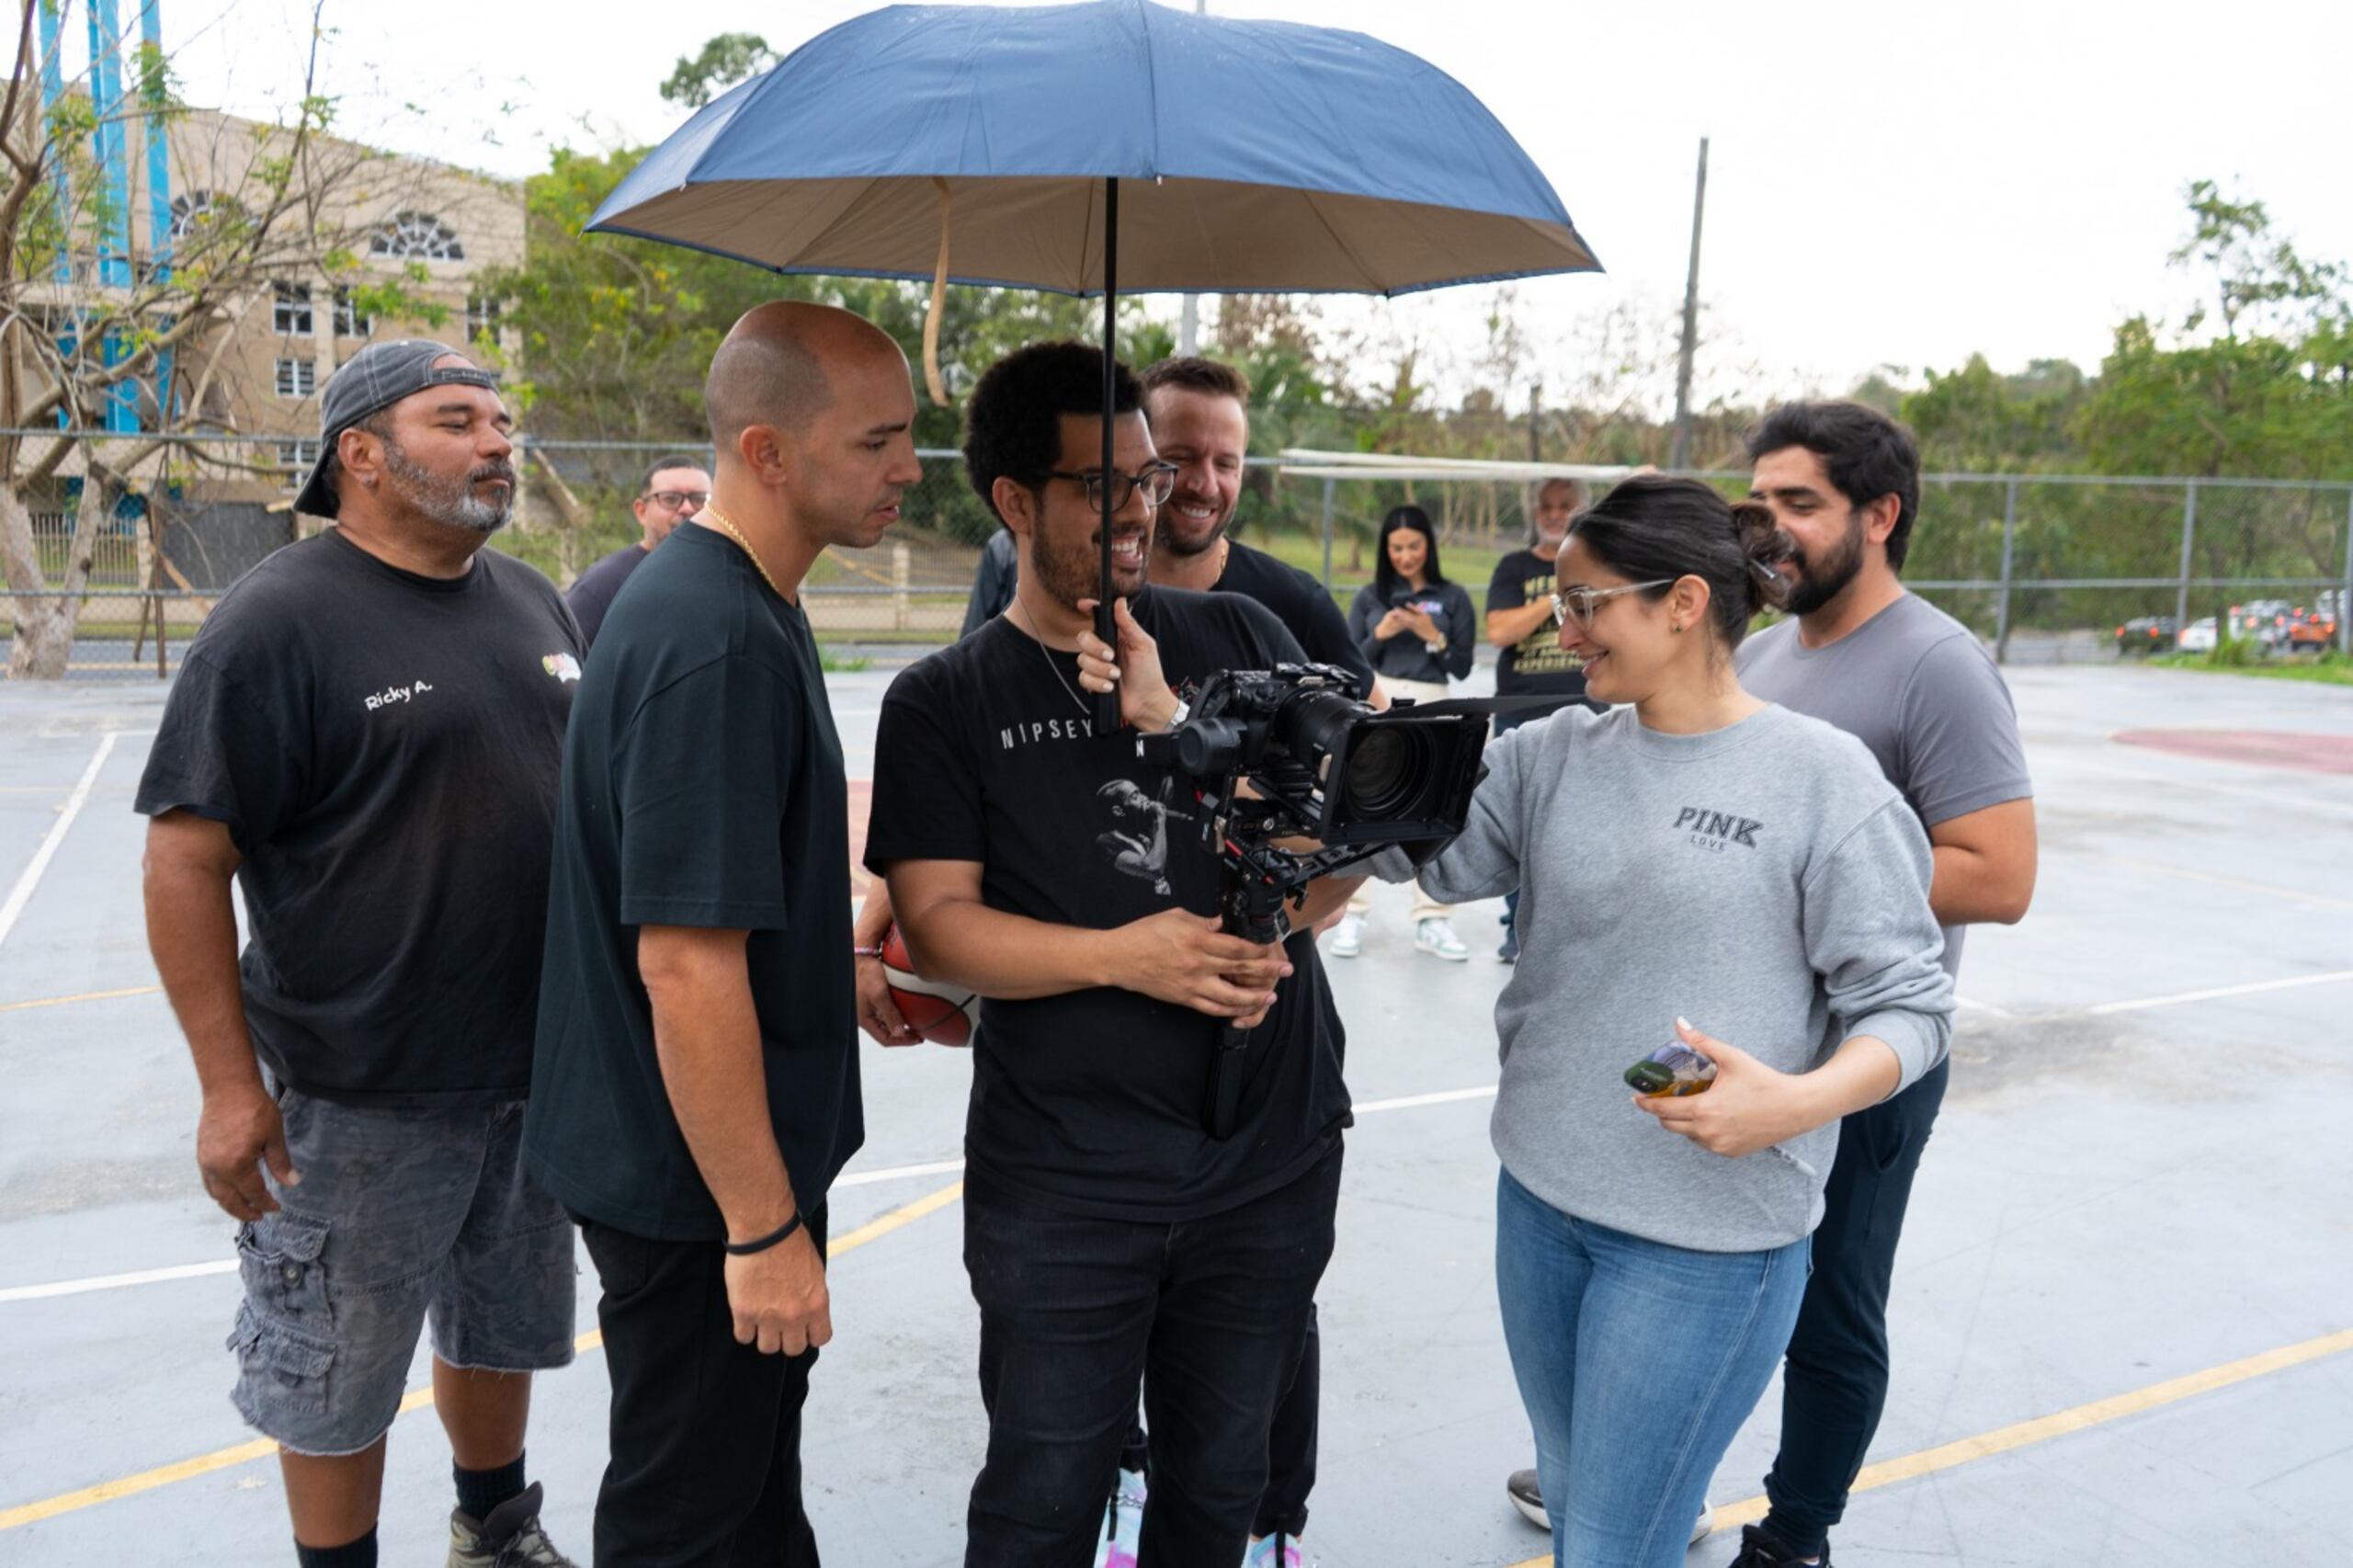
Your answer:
<point x="1347" y="936"/>
<point x="1509" y="951"/>
<point x="1705" y="1525"/>
<point x="1760" y="1548"/>
<point x="1276" y="1550"/>
<point x="509" y="1537"/>
<point x="1529" y="1498"/>
<point x="1436" y="936"/>
<point x="1122" y="1524"/>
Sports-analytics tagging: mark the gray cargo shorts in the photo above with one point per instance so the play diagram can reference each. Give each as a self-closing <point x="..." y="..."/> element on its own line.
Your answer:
<point x="400" y="1213"/>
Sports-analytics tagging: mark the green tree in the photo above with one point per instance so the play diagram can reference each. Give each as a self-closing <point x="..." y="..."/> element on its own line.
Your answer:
<point x="724" y="60"/>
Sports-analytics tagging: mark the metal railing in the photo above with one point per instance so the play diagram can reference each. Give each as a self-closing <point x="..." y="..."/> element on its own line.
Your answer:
<point x="2007" y="552"/>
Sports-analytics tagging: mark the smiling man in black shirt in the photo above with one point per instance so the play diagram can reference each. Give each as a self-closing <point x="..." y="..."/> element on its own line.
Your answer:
<point x="696" y="1084"/>
<point x="1111" y="1238"/>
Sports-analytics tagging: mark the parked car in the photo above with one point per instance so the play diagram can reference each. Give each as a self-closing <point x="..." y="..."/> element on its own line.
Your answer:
<point x="2262" y="624"/>
<point x="2312" y="631"/>
<point x="2146" y="634"/>
<point x="2198" y="637"/>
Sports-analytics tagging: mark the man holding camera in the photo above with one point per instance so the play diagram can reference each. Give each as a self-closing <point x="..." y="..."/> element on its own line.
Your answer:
<point x="1112" y="1239"/>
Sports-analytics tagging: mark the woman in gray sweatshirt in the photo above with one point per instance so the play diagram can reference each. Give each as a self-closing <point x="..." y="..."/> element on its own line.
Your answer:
<point x="1700" y="867"/>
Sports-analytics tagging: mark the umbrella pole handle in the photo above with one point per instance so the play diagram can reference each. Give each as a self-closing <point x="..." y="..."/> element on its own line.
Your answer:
<point x="1106" y="703"/>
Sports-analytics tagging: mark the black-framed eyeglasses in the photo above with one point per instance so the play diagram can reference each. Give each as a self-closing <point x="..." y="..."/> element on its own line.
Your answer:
<point x="679" y="500"/>
<point x="1158" y="481"/>
<point x="1579" y="603"/>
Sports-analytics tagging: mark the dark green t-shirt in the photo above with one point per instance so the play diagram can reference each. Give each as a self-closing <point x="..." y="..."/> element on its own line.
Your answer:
<point x="702" y="786"/>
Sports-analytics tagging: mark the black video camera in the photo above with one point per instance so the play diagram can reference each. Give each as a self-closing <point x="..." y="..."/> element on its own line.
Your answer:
<point x="1320" y="765"/>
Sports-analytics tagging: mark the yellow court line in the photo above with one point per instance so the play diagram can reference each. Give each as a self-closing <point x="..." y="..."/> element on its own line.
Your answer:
<point x="81" y="997"/>
<point x="417" y="1398"/>
<point x="2002" y="1440"/>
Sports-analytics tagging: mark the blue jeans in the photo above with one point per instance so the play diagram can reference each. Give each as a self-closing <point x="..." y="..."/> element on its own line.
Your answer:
<point x="1637" y="1361"/>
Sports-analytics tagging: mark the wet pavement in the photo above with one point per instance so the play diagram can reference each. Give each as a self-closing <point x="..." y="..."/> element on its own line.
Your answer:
<point x="2140" y="1182"/>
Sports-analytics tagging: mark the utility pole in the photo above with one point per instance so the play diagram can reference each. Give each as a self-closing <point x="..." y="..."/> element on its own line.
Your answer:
<point x="1189" y="318"/>
<point x="1679" y="455"/>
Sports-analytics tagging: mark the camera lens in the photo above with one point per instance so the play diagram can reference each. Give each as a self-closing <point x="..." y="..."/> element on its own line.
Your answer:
<point x="1383" y="770"/>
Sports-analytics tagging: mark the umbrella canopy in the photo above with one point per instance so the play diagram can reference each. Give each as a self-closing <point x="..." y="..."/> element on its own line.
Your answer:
<point x="1251" y="156"/>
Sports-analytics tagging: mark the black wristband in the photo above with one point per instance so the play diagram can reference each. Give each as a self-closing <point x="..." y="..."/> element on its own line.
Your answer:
<point x="761" y="1244"/>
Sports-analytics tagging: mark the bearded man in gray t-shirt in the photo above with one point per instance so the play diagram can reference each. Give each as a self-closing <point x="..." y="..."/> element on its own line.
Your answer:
<point x="1918" y="689"/>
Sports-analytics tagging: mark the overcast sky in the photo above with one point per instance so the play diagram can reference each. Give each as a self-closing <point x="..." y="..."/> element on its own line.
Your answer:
<point x="1889" y="183"/>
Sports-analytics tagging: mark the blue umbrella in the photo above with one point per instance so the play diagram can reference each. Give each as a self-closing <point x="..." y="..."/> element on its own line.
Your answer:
<point x="1076" y="148"/>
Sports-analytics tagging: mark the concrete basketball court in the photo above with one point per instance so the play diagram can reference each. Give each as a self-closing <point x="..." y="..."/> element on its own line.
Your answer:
<point x="2122" y="1317"/>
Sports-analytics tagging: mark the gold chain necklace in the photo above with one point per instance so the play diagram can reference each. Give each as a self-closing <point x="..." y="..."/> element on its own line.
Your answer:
<point x="720" y="518"/>
<point x="1046" y="653"/>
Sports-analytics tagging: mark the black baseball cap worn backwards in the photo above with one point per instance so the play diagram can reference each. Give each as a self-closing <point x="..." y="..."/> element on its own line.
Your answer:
<point x="370" y="381"/>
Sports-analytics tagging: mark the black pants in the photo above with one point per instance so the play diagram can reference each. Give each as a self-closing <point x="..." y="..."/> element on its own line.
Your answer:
<point x="1291" y="1444"/>
<point x="1208" y="1316"/>
<point x="704" y="1464"/>
<point x="1834" y="1383"/>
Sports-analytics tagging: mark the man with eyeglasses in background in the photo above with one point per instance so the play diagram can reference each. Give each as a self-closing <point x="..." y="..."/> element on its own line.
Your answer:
<point x="1112" y="1240"/>
<point x="674" y="489"/>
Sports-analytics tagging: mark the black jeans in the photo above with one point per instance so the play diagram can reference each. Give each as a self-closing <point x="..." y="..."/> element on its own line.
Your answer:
<point x="1208" y="1316"/>
<point x="1834" y="1383"/>
<point x="1291" y="1444"/>
<point x="704" y="1464"/>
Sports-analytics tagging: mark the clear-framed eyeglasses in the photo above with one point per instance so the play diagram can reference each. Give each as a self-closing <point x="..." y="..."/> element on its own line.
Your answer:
<point x="1579" y="603"/>
<point x="1158" y="481"/>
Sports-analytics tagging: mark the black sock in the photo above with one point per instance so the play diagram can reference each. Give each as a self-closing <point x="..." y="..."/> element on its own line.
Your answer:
<point x="480" y="1491"/>
<point x="360" y="1554"/>
<point x="1796" y="1540"/>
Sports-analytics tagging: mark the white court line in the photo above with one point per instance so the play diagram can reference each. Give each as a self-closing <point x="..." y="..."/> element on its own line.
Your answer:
<point x="862" y="1178"/>
<point x="113" y="1282"/>
<point x="946" y="1167"/>
<point x="22" y="894"/>
<point x="2273" y="797"/>
<point x="2179" y="998"/>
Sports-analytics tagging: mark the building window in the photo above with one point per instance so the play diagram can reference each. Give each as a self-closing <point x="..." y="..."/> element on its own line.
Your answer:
<point x="190" y="209"/>
<point x="418" y="235"/>
<point x="296" y="459"/>
<point x="291" y="314"/>
<point x="351" y="321"/>
<point x="297" y="378"/>
<point x="481" y="320"/>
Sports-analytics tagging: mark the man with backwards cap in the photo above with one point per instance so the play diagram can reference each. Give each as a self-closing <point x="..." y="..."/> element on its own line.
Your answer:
<point x="365" y="736"/>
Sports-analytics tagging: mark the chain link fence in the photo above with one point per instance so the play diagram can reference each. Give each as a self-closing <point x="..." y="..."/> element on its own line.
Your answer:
<point x="2052" y="560"/>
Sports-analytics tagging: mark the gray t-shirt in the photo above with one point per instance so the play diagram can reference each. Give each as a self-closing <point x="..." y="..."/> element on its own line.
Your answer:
<point x="1762" y="880"/>
<point x="1917" y="689"/>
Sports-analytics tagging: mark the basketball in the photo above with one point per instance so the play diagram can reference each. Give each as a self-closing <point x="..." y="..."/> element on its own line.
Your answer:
<point x="944" y="1014"/>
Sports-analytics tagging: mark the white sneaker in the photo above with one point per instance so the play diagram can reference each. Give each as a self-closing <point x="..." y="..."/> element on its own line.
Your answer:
<point x="1436" y="936"/>
<point x="1347" y="936"/>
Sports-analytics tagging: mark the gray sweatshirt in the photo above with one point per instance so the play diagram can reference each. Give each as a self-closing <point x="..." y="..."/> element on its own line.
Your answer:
<point x="1763" y="881"/>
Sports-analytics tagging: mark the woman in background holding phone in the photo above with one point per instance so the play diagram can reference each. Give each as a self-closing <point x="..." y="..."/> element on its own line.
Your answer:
<point x="1417" y="632"/>
<point x="1690" y="854"/>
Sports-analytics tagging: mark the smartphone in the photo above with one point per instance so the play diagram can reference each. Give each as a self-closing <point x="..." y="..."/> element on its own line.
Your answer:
<point x="1674" y="1069"/>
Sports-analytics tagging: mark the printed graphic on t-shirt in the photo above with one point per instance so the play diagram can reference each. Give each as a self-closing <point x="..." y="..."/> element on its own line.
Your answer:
<point x="1539" y="653"/>
<point x="1715" y="830"/>
<point x="563" y="666"/>
<point x="1137" y="841"/>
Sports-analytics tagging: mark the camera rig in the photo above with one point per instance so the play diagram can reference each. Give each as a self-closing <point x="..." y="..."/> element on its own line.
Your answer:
<point x="1289" y="754"/>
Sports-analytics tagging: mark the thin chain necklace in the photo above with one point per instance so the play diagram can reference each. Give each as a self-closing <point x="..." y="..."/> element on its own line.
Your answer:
<point x="1046" y="653"/>
<point x="720" y="518"/>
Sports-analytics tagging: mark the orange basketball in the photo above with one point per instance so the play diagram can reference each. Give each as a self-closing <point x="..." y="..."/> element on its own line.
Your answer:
<point x="944" y="1014"/>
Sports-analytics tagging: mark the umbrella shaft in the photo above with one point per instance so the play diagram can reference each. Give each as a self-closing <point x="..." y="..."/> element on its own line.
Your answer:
<point x="1106" y="704"/>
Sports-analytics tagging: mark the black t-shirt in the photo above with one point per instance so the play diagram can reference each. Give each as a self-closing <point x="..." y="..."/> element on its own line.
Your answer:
<point x="382" y="748"/>
<point x="1536" y="664"/>
<point x="702" y="786"/>
<point x="592" y="592"/>
<point x="1091" y="1102"/>
<point x="1299" y="602"/>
